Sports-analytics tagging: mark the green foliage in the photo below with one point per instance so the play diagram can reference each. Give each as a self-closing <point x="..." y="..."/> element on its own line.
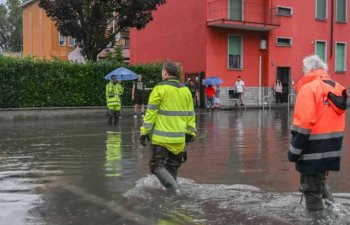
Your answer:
<point x="11" y="26"/>
<point x="90" y="22"/>
<point x="116" y="56"/>
<point x="4" y="28"/>
<point x="15" y="22"/>
<point x="30" y="82"/>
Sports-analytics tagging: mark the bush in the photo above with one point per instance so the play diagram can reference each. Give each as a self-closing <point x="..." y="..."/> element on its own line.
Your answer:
<point x="30" y="82"/>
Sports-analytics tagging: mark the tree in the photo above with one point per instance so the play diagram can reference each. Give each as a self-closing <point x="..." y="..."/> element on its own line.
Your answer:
<point x="4" y="28"/>
<point x="15" y="22"/>
<point x="115" y="56"/>
<point x="90" y="21"/>
<point x="11" y="26"/>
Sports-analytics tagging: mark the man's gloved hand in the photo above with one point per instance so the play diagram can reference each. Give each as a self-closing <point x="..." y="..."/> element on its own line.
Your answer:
<point x="188" y="138"/>
<point x="294" y="158"/>
<point x="144" y="139"/>
<point x="184" y="156"/>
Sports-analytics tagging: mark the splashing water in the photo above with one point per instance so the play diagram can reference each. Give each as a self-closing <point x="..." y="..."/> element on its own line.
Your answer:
<point x="233" y="204"/>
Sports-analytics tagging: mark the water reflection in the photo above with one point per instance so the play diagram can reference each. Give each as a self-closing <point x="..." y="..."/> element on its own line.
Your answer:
<point x="242" y="147"/>
<point x="113" y="154"/>
<point x="237" y="173"/>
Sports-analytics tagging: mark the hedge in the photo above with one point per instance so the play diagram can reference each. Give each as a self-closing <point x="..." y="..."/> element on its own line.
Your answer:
<point x="28" y="82"/>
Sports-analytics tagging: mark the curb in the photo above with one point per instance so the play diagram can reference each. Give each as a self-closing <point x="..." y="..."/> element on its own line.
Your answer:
<point x="20" y="114"/>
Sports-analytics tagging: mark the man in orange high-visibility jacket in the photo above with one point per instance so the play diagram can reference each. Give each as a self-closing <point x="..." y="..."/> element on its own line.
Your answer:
<point x="317" y="131"/>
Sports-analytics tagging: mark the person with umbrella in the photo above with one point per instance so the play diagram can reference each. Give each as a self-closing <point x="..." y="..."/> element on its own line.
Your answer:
<point x="113" y="92"/>
<point x="210" y="92"/>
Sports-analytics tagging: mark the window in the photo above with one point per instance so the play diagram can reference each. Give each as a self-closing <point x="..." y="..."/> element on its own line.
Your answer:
<point x="62" y="39"/>
<point x="341" y="11"/>
<point x="236" y="10"/>
<point x="235" y="59"/>
<point x="321" y="9"/>
<point x="127" y="42"/>
<point x="320" y="50"/>
<point x="340" y="57"/>
<point x="284" y="41"/>
<point x="284" y="11"/>
<point x="71" y="41"/>
<point x="232" y="95"/>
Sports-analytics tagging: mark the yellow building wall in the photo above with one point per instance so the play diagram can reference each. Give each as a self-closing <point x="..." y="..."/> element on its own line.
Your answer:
<point x="40" y="35"/>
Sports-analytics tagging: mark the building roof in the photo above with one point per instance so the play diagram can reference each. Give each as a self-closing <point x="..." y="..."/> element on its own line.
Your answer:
<point x="27" y="3"/>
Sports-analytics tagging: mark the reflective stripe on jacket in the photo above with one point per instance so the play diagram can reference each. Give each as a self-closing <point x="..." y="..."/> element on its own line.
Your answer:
<point x="113" y="93"/>
<point x="170" y="115"/>
<point x="318" y="124"/>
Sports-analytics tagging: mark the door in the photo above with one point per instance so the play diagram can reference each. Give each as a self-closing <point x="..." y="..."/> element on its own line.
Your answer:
<point x="236" y="10"/>
<point x="197" y="78"/>
<point x="283" y="74"/>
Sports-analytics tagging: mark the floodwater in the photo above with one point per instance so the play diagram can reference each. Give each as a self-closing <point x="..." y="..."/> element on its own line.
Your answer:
<point x="83" y="171"/>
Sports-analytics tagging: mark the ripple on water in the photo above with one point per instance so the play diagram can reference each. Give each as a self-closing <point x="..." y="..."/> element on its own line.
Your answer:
<point x="234" y="204"/>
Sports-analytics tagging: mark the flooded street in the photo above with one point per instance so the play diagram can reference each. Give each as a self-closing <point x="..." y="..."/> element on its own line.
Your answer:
<point x="83" y="171"/>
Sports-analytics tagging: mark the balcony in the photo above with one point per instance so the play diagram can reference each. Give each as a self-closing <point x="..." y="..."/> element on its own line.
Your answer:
<point x="245" y="15"/>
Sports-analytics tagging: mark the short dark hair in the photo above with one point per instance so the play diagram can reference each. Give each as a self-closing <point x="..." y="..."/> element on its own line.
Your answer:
<point x="172" y="68"/>
<point x="239" y="77"/>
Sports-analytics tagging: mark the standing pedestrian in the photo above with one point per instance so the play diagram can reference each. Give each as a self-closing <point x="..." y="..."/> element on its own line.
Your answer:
<point x="278" y="91"/>
<point x="191" y="85"/>
<point x="171" y="118"/>
<point x="239" y="88"/>
<point x="138" y="96"/>
<point x="317" y="131"/>
<point x="210" y="93"/>
<point x="114" y="90"/>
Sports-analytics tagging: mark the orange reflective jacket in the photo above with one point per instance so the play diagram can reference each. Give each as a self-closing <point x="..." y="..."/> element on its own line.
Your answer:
<point x="318" y="124"/>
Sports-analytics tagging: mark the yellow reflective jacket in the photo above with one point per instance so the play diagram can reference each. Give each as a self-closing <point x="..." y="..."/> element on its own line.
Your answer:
<point x="113" y="93"/>
<point x="170" y="115"/>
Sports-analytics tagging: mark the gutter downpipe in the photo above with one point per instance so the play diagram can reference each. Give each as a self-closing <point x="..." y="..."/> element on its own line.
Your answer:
<point x="332" y="29"/>
<point x="260" y="80"/>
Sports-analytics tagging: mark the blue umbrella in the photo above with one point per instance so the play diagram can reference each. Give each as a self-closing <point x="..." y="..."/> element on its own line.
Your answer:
<point x="212" y="81"/>
<point x="122" y="74"/>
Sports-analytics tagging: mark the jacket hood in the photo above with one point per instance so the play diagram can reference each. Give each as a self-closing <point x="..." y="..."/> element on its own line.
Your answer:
<point x="313" y="75"/>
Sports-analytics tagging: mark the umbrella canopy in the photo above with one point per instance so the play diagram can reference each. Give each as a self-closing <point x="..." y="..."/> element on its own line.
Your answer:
<point x="122" y="74"/>
<point x="212" y="81"/>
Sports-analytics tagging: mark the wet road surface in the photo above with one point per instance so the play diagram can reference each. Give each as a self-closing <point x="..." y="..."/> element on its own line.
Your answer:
<point x="78" y="171"/>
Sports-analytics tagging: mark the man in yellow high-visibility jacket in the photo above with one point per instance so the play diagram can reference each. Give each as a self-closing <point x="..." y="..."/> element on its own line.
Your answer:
<point x="171" y="119"/>
<point x="113" y="92"/>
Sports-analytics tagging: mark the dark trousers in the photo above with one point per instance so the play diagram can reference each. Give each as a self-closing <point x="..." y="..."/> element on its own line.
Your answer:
<point x="113" y="114"/>
<point x="164" y="164"/>
<point x="278" y="96"/>
<point x="315" y="188"/>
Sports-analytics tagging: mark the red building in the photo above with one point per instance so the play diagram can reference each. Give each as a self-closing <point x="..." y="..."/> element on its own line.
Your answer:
<point x="259" y="40"/>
